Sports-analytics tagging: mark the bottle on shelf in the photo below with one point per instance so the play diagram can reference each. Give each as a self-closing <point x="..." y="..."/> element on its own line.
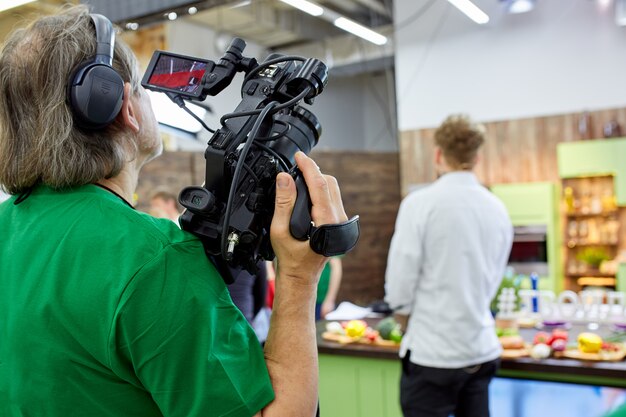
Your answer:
<point x="569" y="199"/>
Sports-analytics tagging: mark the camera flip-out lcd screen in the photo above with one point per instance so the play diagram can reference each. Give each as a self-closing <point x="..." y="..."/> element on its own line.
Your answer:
<point x="177" y="74"/>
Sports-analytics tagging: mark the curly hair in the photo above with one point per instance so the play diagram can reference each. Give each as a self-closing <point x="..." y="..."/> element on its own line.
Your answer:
<point x="460" y="139"/>
<point x="39" y="141"/>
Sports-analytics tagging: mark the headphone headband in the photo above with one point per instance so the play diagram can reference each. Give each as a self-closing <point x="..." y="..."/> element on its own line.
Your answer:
<point x="105" y="39"/>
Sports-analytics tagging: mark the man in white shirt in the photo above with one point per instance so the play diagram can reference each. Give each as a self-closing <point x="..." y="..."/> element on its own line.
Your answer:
<point x="447" y="258"/>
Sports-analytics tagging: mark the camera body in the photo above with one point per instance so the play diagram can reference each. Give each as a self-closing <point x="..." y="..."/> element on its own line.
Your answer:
<point x="231" y="212"/>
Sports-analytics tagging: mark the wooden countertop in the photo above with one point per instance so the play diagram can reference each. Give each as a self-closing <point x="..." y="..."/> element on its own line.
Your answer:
<point x="558" y="370"/>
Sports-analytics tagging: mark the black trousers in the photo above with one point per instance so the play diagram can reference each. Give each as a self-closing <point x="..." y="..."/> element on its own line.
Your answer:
<point x="435" y="392"/>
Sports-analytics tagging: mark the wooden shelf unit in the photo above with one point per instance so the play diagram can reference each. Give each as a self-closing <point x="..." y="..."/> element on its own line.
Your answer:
<point x="591" y="222"/>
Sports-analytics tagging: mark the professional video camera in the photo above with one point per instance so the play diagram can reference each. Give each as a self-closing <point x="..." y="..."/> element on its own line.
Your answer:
<point x="231" y="213"/>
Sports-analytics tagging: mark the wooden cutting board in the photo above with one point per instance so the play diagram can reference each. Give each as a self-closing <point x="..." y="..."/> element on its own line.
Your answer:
<point x="515" y="353"/>
<point x="603" y="355"/>
<point x="344" y="340"/>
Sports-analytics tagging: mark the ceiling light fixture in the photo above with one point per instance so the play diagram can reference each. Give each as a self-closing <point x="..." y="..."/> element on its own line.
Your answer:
<point x="360" y="31"/>
<point x="620" y="12"/>
<point x="338" y="20"/>
<point x="471" y="10"/>
<point x="192" y="10"/>
<point x="9" y="4"/>
<point x="243" y="3"/>
<point x="519" y="6"/>
<point x="306" y="6"/>
<point x="172" y="15"/>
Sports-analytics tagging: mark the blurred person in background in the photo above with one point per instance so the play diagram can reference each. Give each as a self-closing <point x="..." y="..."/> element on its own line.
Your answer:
<point x="447" y="258"/>
<point x="106" y="311"/>
<point x="164" y="205"/>
<point x="328" y="287"/>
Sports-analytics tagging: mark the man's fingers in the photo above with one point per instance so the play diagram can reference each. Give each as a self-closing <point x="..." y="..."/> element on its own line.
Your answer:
<point x="285" y="200"/>
<point x="315" y="181"/>
<point x="335" y="196"/>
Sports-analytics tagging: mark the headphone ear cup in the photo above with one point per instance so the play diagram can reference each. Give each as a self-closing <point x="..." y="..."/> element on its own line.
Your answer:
<point x="96" y="95"/>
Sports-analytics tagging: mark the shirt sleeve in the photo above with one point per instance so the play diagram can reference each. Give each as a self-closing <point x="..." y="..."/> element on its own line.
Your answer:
<point x="404" y="261"/>
<point x="503" y="259"/>
<point x="177" y="335"/>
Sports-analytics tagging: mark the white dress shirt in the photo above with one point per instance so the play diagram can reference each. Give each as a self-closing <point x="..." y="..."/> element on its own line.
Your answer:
<point x="447" y="258"/>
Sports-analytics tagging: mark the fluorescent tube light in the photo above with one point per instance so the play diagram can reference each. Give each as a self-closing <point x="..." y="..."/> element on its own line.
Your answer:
<point x="520" y="6"/>
<point x="9" y="4"/>
<point x="471" y="10"/>
<point x="620" y="12"/>
<point x="360" y="31"/>
<point x="306" y="6"/>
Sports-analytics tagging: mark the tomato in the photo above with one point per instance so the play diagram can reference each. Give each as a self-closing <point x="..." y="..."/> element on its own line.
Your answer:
<point x="372" y="336"/>
<point x="558" y="334"/>
<point x="541" y="338"/>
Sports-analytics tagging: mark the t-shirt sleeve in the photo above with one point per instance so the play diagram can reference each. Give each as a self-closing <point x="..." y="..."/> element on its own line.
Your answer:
<point x="177" y="335"/>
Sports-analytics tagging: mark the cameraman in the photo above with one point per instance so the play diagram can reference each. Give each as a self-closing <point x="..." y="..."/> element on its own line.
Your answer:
<point x="105" y="311"/>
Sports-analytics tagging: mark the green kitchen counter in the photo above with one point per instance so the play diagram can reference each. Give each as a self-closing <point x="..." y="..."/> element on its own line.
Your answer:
<point x="363" y="381"/>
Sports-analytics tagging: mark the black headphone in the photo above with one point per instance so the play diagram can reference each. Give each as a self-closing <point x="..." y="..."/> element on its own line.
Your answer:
<point x="96" y="90"/>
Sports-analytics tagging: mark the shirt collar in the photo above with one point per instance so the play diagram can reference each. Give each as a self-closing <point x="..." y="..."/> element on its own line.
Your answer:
<point x="466" y="178"/>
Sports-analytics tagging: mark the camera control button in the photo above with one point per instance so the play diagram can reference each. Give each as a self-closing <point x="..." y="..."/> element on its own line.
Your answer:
<point x="252" y="88"/>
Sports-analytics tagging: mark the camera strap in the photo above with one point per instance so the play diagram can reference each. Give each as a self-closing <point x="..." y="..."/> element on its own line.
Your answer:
<point x="335" y="239"/>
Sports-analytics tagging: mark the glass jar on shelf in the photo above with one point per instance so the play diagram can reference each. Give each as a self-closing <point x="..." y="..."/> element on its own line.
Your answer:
<point x="593" y="233"/>
<point x="569" y="199"/>
<point x="585" y="200"/>
<point x="583" y="231"/>
<point x="608" y="200"/>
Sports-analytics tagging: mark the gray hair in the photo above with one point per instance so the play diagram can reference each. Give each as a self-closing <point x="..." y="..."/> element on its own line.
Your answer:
<point x="39" y="141"/>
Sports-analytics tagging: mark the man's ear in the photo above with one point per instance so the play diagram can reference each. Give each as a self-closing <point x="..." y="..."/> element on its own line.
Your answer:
<point x="438" y="155"/>
<point x="128" y="113"/>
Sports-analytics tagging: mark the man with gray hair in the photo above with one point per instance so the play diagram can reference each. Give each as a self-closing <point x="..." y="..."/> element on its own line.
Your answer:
<point x="105" y="311"/>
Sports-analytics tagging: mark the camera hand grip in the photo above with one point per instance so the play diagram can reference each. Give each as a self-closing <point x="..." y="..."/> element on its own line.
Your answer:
<point x="300" y="223"/>
<point x="329" y="239"/>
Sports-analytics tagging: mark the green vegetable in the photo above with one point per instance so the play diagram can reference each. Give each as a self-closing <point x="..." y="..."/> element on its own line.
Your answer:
<point x="506" y="332"/>
<point x="593" y="256"/>
<point x="396" y="335"/>
<point x="386" y="326"/>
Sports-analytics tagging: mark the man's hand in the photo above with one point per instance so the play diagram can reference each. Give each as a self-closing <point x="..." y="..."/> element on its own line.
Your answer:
<point x="295" y="258"/>
<point x="292" y="361"/>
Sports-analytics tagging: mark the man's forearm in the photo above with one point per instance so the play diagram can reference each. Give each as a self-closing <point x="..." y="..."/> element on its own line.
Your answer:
<point x="291" y="350"/>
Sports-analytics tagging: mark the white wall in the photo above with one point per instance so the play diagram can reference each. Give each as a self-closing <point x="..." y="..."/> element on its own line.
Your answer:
<point x="357" y="113"/>
<point x="565" y="56"/>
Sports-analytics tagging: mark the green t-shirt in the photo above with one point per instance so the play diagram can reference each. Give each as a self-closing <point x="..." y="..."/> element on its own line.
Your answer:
<point x="105" y="311"/>
<point x="324" y="282"/>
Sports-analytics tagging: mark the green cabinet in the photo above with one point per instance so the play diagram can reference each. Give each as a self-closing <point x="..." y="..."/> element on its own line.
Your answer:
<point x="359" y="387"/>
<point x="592" y="158"/>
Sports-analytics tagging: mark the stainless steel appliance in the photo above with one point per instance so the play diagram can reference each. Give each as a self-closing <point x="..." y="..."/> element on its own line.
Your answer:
<point x="530" y="250"/>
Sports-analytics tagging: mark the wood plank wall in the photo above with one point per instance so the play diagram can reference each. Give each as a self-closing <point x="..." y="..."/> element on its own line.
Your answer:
<point x="522" y="150"/>
<point x="370" y="184"/>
